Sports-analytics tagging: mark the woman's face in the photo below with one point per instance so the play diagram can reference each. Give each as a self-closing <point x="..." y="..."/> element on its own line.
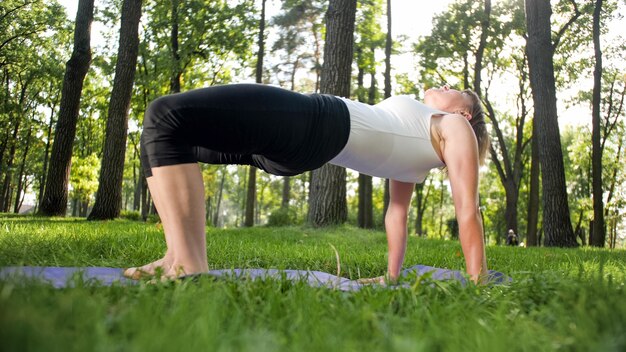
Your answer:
<point x="446" y="99"/>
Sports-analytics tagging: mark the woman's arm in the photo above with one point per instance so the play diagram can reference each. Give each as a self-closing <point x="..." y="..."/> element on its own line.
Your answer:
<point x="460" y="154"/>
<point x="395" y="224"/>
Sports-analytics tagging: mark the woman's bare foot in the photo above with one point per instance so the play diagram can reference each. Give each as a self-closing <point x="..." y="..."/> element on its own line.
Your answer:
<point x="166" y="268"/>
<point x="160" y="266"/>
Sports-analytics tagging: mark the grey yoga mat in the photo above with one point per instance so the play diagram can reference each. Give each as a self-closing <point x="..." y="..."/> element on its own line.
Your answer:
<point x="61" y="277"/>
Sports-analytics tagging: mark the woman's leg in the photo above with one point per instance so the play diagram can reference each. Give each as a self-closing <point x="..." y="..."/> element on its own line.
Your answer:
<point x="178" y="193"/>
<point x="282" y="132"/>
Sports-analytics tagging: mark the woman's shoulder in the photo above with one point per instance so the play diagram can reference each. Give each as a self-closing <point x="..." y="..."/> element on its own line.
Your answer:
<point x="451" y="125"/>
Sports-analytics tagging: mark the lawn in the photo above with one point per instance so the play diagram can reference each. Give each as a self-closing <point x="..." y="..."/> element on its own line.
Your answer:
<point x="560" y="299"/>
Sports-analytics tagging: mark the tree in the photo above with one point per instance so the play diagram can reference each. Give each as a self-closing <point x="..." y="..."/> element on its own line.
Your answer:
<point x="55" y="194"/>
<point x="251" y="196"/>
<point x="327" y="200"/>
<point x="599" y="229"/>
<point x="370" y="37"/>
<point x="540" y="49"/>
<point x="388" y="44"/>
<point x="109" y="196"/>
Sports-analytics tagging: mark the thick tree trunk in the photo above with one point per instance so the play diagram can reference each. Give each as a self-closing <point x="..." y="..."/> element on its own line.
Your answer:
<point x="109" y="196"/>
<point x="556" y="219"/>
<point x="533" y="196"/>
<point x="599" y="229"/>
<point x="54" y="201"/>
<point x="327" y="200"/>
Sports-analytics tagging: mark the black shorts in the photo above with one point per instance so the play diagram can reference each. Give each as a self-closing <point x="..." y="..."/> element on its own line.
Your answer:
<point x="277" y="130"/>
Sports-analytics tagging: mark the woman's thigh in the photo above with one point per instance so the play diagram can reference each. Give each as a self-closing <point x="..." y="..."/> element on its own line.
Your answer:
<point x="252" y="124"/>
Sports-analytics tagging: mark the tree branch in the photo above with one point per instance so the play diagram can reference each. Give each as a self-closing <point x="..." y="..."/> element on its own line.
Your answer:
<point x="559" y="35"/>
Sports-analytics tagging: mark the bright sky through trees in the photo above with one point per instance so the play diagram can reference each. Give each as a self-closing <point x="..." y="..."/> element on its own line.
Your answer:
<point x="413" y="18"/>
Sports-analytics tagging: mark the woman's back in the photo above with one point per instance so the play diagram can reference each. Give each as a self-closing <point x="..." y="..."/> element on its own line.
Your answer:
<point x="391" y="139"/>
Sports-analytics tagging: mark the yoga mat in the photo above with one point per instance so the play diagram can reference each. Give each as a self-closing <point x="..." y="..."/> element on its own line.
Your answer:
<point x="61" y="277"/>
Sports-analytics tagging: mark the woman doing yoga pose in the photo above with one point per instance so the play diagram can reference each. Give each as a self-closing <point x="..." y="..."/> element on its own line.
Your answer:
<point x="287" y="133"/>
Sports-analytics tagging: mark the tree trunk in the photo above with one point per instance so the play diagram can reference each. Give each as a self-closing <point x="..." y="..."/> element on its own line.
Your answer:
<point x="387" y="94"/>
<point x="533" y="197"/>
<point x="55" y="193"/>
<point x="327" y="200"/>
<point x="478" y="67"/>
<point x="388" y="45"/>
<point x="599" y="230"/>
<point x="365" y="212"/>
<point x="45" y="159"/>
<point x="556" y="220"/>
<point x="5" y="196"/>
<point x="365" y="217"/>
<point x="219" y="200"/>
<point x="286" y="192"/>
<point x="109" y="196"/>
<point x="510" y="212"/>
<point x="176" y="72"/>
<point x="16" y="208"/>
<point x="145" y="200"/>
<point x="420" y="200"/>
<point x="251" y="195"/>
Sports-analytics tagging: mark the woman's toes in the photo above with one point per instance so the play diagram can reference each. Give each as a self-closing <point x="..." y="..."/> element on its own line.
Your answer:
<point x="136" y="273"/>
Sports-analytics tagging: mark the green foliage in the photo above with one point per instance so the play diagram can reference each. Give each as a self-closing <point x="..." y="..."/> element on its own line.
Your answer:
<point x="283" y="217"/>
<point x="130" y="215"/>
<point x="299" y="41"/>
<point x="84" y="177"/>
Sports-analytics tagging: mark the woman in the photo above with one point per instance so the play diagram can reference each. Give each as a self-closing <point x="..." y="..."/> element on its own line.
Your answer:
<point x="288" y="133"/>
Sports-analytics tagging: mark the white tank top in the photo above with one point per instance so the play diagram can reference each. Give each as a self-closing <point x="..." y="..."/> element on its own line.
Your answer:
<point x="390" y="139"/>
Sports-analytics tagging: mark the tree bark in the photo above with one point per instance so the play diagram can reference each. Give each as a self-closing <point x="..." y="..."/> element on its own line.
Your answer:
<point x="16" y="207"/>
<point x="599" y="229"/>
<point x="478" y="67"/>
<point x="54" y="201"/>
<point x="219" y="200"/>
<point x="365" y="213"/>
<point x="421" y="200"/>
<point x="109" y="195"/>
<point x="5" y="196"/>
<point x="286" y="192"/>
<point x="45" y="159"/>
<point x="533" y="196"/>
<point x="556" y="220"/>
<point x="176" y="72"/>
<point x="327" y="200"/>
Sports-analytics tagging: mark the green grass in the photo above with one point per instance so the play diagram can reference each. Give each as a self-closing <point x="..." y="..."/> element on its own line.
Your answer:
<point x="560" y="299"/>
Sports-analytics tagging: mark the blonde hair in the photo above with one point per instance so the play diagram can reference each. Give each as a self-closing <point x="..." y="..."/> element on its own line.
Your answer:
<point x="479" y="125"/>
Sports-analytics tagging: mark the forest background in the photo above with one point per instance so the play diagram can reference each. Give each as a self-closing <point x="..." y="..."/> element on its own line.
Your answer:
<point x="217" y="45"/>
